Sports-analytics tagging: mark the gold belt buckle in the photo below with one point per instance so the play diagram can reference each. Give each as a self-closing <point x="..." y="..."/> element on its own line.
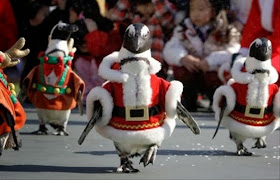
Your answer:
<point x="249" y="113"/>
<point x="142" y="110"/>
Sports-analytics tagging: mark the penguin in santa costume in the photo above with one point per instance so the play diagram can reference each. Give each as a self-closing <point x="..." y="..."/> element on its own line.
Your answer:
<point x="12" y="115"/>
<point x="249" y="105"/>
<point x="135" y="108"/>
<point x="52" y="86"/>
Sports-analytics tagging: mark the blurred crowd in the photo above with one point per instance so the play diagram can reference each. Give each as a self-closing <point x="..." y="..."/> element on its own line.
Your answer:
<point x="196" y="41"/>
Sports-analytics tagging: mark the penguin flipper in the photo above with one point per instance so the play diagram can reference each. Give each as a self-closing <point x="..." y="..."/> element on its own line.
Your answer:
<point x="80" y="102"/>
<point x="223" y="105"/>
<point x="97" y="112"/>
<point x="185" y="116"/>
<point x="22" y="95"/>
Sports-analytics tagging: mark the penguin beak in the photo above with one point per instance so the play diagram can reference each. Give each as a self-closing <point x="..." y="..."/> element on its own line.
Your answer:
<point x="138" y="43"/>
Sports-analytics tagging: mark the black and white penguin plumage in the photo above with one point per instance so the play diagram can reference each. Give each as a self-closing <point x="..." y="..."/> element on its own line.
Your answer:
<point x="137" y="79"/>
<point x="252" y="99"/>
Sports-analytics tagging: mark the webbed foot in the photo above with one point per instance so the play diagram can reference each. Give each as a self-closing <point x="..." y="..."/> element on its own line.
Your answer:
<point x="59" y="130"/>
<point x="126" y="166"/>
<point x="242" y="151"/>
<point x="260" y="143"/>
<point x="149" y="156"/>
<point x="42" y="130"/>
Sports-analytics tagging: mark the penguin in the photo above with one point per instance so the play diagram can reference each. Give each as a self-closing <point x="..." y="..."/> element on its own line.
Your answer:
<point x="52" y="86"/>
<point x="135" y="108"/>
<point x="12" y="114"/>
<point x="249" y="104"/>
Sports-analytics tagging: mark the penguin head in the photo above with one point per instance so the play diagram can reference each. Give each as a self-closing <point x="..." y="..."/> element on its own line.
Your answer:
<point x="59" y="38"/>
<point x="62" y="31"/>
<point x="137" y="38"/>
<point x="261" y="49"/>
<point x="259" y="59"/>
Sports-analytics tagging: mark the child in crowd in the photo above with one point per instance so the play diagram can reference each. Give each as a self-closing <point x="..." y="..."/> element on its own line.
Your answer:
<point x="199" y="45"/>
<point x="96" y="38"/>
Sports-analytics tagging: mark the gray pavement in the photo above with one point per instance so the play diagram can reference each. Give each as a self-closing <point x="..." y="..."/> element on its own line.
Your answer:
<point x="182" y="156"/>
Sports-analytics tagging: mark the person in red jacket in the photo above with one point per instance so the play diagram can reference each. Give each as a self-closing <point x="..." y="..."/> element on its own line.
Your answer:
<point x="97" y="37"/>
<point x="263" y="21"/>
<point x="8" y="26"/>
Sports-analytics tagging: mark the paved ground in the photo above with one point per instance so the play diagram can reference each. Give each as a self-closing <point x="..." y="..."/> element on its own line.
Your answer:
<point x="182" y="156"/>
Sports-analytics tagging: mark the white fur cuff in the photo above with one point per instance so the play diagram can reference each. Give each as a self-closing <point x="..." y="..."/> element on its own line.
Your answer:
<point x="173" y="95"/>
<point x="230" y="96"/>
<point x="106" y="100"/>
<point x="276" y="104"/>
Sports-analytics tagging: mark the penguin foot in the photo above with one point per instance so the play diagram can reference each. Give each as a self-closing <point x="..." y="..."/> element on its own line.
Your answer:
<point x="149" y="156"/>
<point x="42" y="130"/>
<point x="242" y="151"/>
<point x="260" y="143"/>
<point x="61" y="133"/>
<point x="126" y="166"/>
<point x="59" y="130"/>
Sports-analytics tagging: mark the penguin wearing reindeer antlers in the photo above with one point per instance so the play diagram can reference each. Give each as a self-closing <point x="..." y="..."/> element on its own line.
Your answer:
<point x="52" y="86"/>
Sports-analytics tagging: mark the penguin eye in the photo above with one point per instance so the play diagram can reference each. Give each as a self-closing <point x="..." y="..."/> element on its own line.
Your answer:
<point x="269" y="47"/>
<point x="61" y="27"/>
<point x="257" y="45"/>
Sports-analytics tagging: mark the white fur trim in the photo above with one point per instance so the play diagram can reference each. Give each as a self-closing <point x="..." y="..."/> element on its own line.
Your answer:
<point x="155" y="65"/>
<point x="173" y="95"/>
<point x="266" y="7"/>
<point x="238" y="75"/>
<point x="143" y="137"/>
<point x="276" y="104"/>
<point x="223" y="68"/>
<point x="258" y="94"/>
<point x="252" y="64"/>
<point x="229" y="94"/>
<point x="248" y="130"/>
<point x="106" y="72"/>
<point x="230" y="81"/>
<point x="106" y="100"/>
<point x="137" y="90"/>
<point x="273" y="75"/>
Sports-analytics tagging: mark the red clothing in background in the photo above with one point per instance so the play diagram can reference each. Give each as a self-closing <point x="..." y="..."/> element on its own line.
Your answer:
<point x="8" y="26"/>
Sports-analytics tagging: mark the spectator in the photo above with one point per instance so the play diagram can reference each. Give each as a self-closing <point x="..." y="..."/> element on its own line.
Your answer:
<point x="199" y="45"/>
<point x="8" y="26"/>
<point x="8" y="35"/>
<point x="96" y="38"/>
<point x="36" y="32"/>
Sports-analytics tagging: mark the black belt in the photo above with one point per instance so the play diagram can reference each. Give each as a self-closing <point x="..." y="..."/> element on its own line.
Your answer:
<point x="120" y="111"/>
<point x="241" y="108"/>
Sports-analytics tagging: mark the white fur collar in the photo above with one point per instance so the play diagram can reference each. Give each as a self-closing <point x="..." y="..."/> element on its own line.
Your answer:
<point x="246" y="77"/>
<point x="105" y="69"/>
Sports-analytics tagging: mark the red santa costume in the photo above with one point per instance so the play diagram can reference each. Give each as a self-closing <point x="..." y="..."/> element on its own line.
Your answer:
<point x="149" y="92"/>
<point x="263" y="21"/>
<point x="253" y="107"/>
